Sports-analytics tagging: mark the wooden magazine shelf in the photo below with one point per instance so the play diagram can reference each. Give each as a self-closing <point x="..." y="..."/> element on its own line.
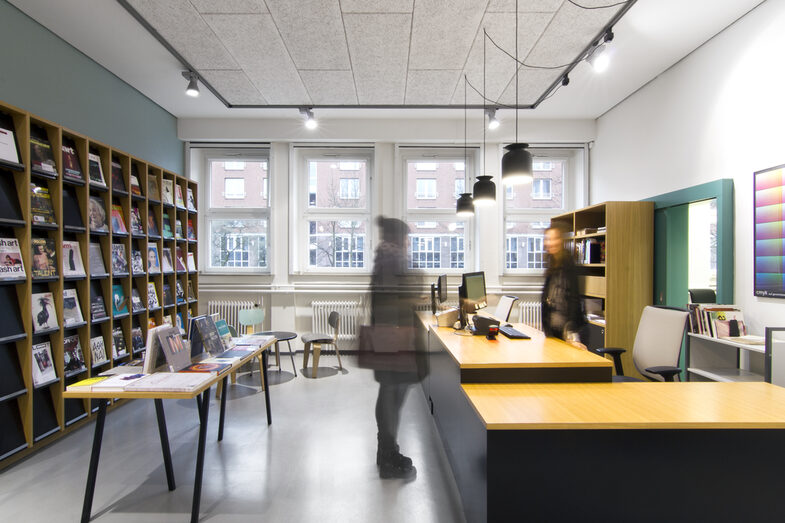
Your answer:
<point x="88" y="184"/>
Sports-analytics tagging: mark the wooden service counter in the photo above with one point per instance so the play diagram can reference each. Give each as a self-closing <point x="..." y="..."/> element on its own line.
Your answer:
<point x="624" y="452"/>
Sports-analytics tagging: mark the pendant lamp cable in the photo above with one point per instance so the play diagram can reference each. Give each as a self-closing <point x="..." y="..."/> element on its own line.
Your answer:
<point x="465" y="131"/>
<point x="516" y="71"/>
<point x="484" y="108"/>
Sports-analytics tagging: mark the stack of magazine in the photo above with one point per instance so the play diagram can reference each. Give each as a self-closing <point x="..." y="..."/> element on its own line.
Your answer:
<point x="720" y="321"/>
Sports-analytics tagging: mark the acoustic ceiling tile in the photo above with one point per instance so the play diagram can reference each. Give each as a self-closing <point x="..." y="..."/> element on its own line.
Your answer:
<point x="532" y="84"/>
<point x="377" y="6"/>
<point x="330" y="87"/>
<point x="526" y="6"/>
<point x="314" y="36"/>
<point x="230" y="6"/>
<point x="180" y="25"/>
<point x="234" y="86"/>
<point x="254" y="42"/>
<point x="378" y="47"/>
<point x="443" y="32"/>
<point x="431" y="87"/>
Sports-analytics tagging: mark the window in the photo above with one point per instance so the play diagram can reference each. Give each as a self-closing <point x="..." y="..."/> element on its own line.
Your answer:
<point x="535" y="253"/>
<point x="350" y="188"/>
<point x="334" y="211"/>
<point x="234" y="188"/>
<point x="539" y="165"/>
<point x="426" y="189"/>
<point x="541" y="189"/>
<point x="509" y="192"/>
<point x="511" y="252"/>
<point x="434" y="179"/>
<point x="520" y="247"/>
<point x="237" y="217"/>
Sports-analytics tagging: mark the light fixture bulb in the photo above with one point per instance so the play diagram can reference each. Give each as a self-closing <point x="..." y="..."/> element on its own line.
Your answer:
<point x="193" y="86"/>
<point x="493" y="122"/>
<point x="310" y="121"/>
<point x="599" y="58"/>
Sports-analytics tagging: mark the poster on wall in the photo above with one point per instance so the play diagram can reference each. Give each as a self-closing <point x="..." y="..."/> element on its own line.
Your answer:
<point x="769" y="204"/>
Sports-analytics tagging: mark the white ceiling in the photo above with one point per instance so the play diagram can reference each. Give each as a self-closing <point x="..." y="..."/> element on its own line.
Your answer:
<point x="372" y="52"/>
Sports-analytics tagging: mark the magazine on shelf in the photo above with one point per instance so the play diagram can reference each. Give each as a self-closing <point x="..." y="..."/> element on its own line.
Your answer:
<point x="168" y="321"/>
<point x="95" y="170"/>
<point x="191" y="233"/>
<point x="96" y="214"/>
<point x="136" y="189"/>
<point x="72" y="312"/>
<point x="44" y="258"/>
<point x="179" y="323"/>
<point x="152" y="228"/>
<point x="12" y="267"/>
<point x="136" y="300"/>
<point x="96" y="260"/>
<point x="8" y="150"/>
<point x="191" y="200"/>
<point x="137" y="262"/>
<point x="119" y="261"/>
<point x="72" y="353"/>
<point x="167" y="191"/>
<point x="41" y="205"/>
<point x="98" y="351"/>
<point x="97" y="309"/>
<point x="72" y="169"/>
<point x="191" y="295"/>
<point x="179" y="293"/>
<point x="178" y="196"/>
<point x="178" y="229"/>
<point x="42" y="157"/>
<point x="168" y="298"/>
<point x="153" y="263"/>
<point x="151" y="323"/>
<point x="152" y="296"/>
<point x="72" y="259"/>
<point x="179" y="260"/>
<point x="119" y="300"/>
<point x="167" y="227"/>
<point x="118" y="220"/>
<point x="191" y="262"/>
<point x="166" y="260"/>
<point x="44" y="313"/>
<point x="136" y="221"/>
<point x="43" y="365"/>
<point x="117" y="176"/>
<point x="119" y="348"/>
<point x="152" y="188"/>
<point x="137" y="340"/>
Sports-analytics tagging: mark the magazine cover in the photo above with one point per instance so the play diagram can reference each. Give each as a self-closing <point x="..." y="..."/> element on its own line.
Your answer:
<point x="44" y="313"/>
<point x="178" y="355"/>
<point x="12" y="267"/>
<point x="167" y="191"/>
<point x="96" y="214"/>
<point x="152" y="296"/>
<point x="72" y="312"/>
<point x="191" y="200"/>
<point x="178" y="322"/>
<point x="191" y="295"/>
<point x="98" y="350"/>
<point x="95" y="170"/>
<point x="72" y="352"/>
<point x="166" y="260"/>
<point x="178" y="196"/>
<point x="167" y="224"/>
<point x="178" y="229"/>
<point x="152" y="228"/>
<point x="137" y="262"/>
<point x="41" y="156"/>
<point x="191" y="262"/>
<point x="119" y="348"/>
<point x="153" y="264"/>
<point x="72" y="259"/>
<point x="136" y="189"/>
<point x="119" y="301"/>
<point x="96" y="260"/>
<point x="152" y="188"/>
<point x="179" y="260"/>
<point x="191" y="232"/>
<point x="43" y="366"/>
<point x="137" y="340"/>
<point x="136" y="300"/>
<point x="44" y="258"/>
<point x="118" y="221"/>
<point x="8" y="151"/>
<point x="41" y="204"/>
<point x="168" y="298"/>
<point x="72" y="169"/>
<point x="119" y="261"/>
<point x="117" y="176"/>
<point x="97" y="309"/>
<point x="136" y="221"/>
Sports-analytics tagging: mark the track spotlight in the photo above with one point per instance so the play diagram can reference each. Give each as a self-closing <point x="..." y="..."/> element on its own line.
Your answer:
<point x="193" y="86"/>
<point x="310" y="121"/>
<point x="493" y="122"/>
<point x="598" y="57"/>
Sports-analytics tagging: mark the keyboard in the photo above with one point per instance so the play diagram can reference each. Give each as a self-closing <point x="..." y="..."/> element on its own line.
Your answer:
<point x="512" y="333"/>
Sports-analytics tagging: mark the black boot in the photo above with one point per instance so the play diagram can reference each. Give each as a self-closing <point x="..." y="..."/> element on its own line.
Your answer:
<point x="395" y="465"/>
<point x="407" y="461"/>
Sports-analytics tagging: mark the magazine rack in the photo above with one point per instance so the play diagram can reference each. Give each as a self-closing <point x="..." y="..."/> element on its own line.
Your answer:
<point x="32" y="416"/>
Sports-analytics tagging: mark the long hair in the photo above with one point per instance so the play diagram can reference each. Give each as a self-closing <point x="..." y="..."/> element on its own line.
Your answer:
<point x="555" y="261"/>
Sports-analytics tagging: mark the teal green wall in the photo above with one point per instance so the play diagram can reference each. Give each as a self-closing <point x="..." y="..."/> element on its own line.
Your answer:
<point x="41" y="73"/>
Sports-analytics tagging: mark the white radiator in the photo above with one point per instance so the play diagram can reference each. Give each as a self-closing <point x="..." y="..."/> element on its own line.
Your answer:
<point x="229" y="309"/>
<point x="351" y="315"/>
<point x="530" y="313"/>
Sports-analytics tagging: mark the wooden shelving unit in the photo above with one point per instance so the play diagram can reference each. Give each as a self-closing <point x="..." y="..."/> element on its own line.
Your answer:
<point x="33" y="416"/>
<point x="621" y="275"/>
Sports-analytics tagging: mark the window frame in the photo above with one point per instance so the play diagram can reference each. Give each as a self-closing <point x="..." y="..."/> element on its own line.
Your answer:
<point x="301" y="214"/>
<point x="211" y="213"/>
<point x="438" y="154"/>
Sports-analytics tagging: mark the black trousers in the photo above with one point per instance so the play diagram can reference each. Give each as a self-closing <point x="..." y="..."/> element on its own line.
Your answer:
<point x="393" y="387"/>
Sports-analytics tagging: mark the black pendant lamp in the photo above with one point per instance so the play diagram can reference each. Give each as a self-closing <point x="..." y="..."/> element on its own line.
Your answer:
<point x="517" y="161"/>
<point x="484" y="191"/>
<point x="465" y="204"/>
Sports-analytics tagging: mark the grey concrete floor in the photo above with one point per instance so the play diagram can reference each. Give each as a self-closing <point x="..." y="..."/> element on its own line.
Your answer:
<point x="316" y="462"/>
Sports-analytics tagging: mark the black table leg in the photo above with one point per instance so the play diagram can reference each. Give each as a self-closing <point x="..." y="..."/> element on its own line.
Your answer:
<point x="199" y="406"/>
<point x="159" y="412"/>
<point x="222" y="415"/>
<point x="203" y="411"/>
<point x="92" y="472"/>
<point x="266" y="387"/>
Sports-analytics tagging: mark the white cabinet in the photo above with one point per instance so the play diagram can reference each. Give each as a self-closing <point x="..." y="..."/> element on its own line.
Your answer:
<point x="714" y="359"/>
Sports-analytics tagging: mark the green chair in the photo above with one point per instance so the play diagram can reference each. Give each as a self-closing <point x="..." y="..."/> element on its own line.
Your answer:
<point x="250" y="318"/>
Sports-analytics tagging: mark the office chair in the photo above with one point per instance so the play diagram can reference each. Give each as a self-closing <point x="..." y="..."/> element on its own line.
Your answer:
<point x="316" y="340"/>
<point x="703" y="296"/>
<point x="503" y="308"/>
<point x="657" y="346"/>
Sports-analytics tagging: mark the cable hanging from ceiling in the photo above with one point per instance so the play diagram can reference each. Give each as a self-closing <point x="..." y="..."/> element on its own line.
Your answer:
<point x="587" y="7"/>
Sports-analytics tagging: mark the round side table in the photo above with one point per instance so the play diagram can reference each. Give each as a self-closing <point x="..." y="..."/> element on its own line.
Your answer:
<point x="281" y="336"/>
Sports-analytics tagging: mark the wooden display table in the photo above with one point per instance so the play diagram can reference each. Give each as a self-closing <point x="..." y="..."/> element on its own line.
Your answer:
<point x="202" y="395"/>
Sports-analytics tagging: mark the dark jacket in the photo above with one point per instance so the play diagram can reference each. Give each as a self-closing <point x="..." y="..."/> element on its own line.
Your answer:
<point x="569" y="300"/>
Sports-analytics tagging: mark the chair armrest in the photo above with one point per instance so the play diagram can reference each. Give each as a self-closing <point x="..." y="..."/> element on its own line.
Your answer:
<point x="666" y="371"/>
<point x="616" y="353"/>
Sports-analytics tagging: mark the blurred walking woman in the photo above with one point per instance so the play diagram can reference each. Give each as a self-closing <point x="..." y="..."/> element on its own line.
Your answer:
<point x="562" y="314"/>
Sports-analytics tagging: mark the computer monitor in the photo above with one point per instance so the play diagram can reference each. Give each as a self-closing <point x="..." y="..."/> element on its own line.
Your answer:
<point x="474" y="291"/>
<point x="441" y="288"/>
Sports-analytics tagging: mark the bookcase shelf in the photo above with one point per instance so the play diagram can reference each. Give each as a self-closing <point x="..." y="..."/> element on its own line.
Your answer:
<point x="30" y="414"/>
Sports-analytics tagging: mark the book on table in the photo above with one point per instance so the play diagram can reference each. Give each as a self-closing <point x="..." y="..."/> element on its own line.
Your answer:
<point x="98" y="351"/>
<point x="204" y="336"/>
<point x="95" y="170"/>
<point x="43" y="365"/>
<point x="73" y="356"/>
<point x="117" y="176"/>
<point x="118" y="220"/>
<point x="72" y="312"/>
<point x="44" y="258"/>
<point x="86" y="385"/>
<point x="224" y="333"/>
<point x="176" y="351"/>
<point x="72" y="259"/>
<point x="72" y="169"/>
<point x="44" y="313"/>
<point x="96" y="215"/>
<point x="119" y="261"/>
<point x="12" y="267"/>
<point x="97" y="267"/>
<point x="42" y="159"/>
<point x="206" y="366"/>
<point x="116" y="382"/>
<point x="41" y="205"/>
<point x="172" y="382"/>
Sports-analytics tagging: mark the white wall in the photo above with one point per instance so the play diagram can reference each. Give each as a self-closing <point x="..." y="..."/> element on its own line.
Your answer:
<point x="719" y="113"/>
